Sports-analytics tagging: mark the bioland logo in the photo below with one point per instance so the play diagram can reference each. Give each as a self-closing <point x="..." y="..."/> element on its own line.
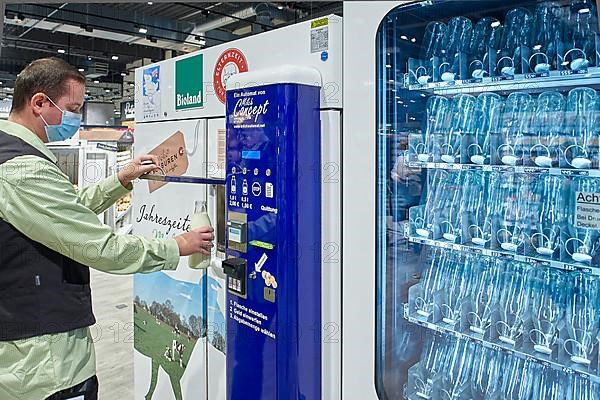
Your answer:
<point x="189" y="83"/>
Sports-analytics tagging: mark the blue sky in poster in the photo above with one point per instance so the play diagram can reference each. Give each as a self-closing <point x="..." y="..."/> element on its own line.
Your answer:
<point x="186" y="297"/>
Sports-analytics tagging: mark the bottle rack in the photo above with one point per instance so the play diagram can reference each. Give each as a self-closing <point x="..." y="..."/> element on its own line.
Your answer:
<point x="427" y="74"/>
<point x="557" y="360"/>
<point x="522" y="348"/>
<point x="594" y="173"/>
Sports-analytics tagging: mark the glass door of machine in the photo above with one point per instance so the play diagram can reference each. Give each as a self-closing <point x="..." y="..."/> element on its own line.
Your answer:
<point x="488" y="201"/>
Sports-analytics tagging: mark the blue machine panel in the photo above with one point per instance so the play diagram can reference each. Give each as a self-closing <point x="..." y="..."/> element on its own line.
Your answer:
<point x="273" y="243"/>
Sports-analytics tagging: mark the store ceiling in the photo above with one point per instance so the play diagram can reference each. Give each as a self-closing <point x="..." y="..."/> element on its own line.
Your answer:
<point x="107" y="41"/>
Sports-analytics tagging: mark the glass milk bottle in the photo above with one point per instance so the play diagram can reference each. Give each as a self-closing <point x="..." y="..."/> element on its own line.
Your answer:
<point x="200" y="219"/>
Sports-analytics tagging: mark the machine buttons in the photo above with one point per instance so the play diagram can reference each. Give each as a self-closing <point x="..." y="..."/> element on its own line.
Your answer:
<point x="235" y="269"/>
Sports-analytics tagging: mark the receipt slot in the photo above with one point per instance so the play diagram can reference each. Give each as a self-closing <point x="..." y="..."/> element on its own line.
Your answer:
<point x="273" y="236"/>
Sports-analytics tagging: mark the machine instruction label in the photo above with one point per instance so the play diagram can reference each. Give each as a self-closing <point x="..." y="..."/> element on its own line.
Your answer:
<point x="587" y="211"/>
<point x="319" y="35"/>
<point x="250" y="318"/>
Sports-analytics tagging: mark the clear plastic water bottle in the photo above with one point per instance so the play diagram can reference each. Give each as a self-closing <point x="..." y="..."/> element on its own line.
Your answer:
<point x="515" y="120"/>
<point x="424" y="223"/>
<point x="547" y="124"/>
<point x="547" y="306"/>
<point x="513" y="305"/>
<point x="461" y="122"/>
<point x="582" y="317"/>
<point x="580" y="126"/>
<point x="487" y="117"/>
<point x="484" y="293"/>
<point x="475" y="207"/>
<point x="449" y="206"/>
<point x="549" y="214"/>
<point x="512" y="201"/>
<point x="438" y="108"/>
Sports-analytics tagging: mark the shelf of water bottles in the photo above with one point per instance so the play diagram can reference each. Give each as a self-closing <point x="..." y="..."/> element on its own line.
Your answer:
<point x="452" y="368"/>
<point x="534" y="221"/>
<point x="528" y="67"/>
<point x="536" y="261"/>
<point x="560" y="363"/>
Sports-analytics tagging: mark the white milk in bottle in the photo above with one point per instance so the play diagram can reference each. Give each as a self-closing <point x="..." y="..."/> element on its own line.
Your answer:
<point x="199" y="219"/>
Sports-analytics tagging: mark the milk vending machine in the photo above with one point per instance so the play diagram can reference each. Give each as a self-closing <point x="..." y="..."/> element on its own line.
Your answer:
<point x="484" y="229"/>
<point x="183" y="336"/>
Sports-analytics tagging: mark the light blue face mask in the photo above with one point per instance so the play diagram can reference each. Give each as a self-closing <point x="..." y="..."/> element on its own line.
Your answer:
<point x="69" y="125"/>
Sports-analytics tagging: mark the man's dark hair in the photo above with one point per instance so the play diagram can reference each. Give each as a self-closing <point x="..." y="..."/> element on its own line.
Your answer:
<point x="46" y="75"/>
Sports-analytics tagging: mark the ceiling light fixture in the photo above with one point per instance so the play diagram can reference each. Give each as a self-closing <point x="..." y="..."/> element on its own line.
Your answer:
<point x="123" y="74"/>
<point x="96" y="81"/>
<point x="143" y="30"/>
<point x="80" y="69"/>
<point x="62" y="51"/>
<point x="150" y="3"/>
<point x="89" y="58"/>
<point x="280" y="7"/>
<point x="114" y="58"/>
<point x="404" y="37"/>
<point x="107" y="90"/>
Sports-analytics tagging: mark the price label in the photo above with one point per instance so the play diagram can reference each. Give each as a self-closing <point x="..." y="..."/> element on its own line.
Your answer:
<point x="568" y="267"/>
<point x="536" y="75"/>
<point x="568" y="72"/>
<point x="534" y="170"/>
<point x="472" y="80"/>
<point x="544" y="263"/>
<point x="502" y="78"/>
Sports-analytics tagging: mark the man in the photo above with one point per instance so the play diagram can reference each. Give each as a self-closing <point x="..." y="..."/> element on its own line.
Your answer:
<point x="50" y="235"/>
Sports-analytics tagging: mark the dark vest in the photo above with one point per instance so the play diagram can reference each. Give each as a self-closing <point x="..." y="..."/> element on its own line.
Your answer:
<point x="41" y="291"/>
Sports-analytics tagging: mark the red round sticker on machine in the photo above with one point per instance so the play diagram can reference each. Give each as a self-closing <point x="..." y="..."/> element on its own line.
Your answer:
<point x="231" y="62"/>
